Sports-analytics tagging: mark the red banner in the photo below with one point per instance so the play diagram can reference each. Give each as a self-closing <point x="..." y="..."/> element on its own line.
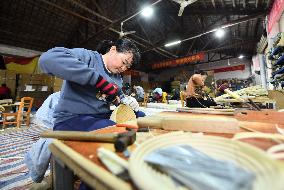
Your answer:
<point x="133" y="73"/>
<point x="21" y="64"/>
<point x="18" y="60"/>
<point x="180" y="61"/>
<point x="275" y="13"/>
<point x="228" y="69"/>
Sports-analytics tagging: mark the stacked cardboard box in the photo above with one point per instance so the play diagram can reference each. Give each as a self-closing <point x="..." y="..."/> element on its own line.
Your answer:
<point x="57" y="83"/>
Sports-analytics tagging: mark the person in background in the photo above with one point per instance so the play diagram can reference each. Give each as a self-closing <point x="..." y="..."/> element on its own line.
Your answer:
<point x="92" y="82"/>
<point x="126" y="89"/>
<point x="138" y="93"/>
<point x="222" y="87"/>
<point x="175" y="94"/>
<point x="195" y="96"/>
<point x="157" y="94"/>
<point x="5" y="92"/>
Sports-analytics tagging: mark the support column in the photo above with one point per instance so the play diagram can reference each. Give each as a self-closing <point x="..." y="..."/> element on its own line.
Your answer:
<point x="263" y="77"/>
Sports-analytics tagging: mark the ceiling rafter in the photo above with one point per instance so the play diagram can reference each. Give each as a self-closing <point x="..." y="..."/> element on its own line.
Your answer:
<point x="247" y="29"/>
<point x="220" y="11"/>
<point x="213" y="3"/>
<point x="158" y="50"/>
<point x="87" y="22"/>
<point x="234" y="3"/>
<point x="256" y="27"/>
<point x="204" y="4"/>
<point x="222" y="3"/>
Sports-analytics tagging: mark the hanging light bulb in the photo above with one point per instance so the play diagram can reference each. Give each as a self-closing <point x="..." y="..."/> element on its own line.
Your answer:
<point x="220" y="33"/>
<point x="241" y="56"/>
<point x="147" y="12"/>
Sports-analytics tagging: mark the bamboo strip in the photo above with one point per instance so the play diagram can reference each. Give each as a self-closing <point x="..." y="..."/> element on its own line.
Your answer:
<point x="245" y="135"/>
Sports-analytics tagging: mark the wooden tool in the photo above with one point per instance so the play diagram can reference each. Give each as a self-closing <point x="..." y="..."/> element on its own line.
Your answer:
<point x="212" y="125"/>
<point x="207" y="111"/>
<point x="120" y="140"/>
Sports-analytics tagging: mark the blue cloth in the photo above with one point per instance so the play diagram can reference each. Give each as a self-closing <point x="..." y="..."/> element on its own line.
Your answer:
<point x="84" y="123"/>
<point x="80" y="69"/>
<point x="44" y="114"/>
<point x="37" y="159"/>
<point x="88" y="122"/>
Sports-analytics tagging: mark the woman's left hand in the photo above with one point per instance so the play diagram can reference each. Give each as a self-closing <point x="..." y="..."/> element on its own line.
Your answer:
<point x="130" y="101"/>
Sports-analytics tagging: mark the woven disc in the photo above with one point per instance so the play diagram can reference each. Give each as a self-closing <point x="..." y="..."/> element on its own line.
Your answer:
<point x="269" y="173"/>
<point x="122" y="113"/>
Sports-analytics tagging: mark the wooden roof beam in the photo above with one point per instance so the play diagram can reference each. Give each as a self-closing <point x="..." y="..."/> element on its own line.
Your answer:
<point x="234" y="3"/>
<point x="220" y="11"/>
<point x="213" y="3"/>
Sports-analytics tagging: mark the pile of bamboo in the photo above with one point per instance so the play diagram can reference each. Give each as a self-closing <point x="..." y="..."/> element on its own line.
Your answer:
<point x="256" y="93"/>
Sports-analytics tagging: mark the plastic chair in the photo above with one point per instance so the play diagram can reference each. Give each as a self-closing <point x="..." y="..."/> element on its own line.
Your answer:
<point x="144" y="103"/>
<point x="21" y="115"/>
<point x="164" y="97"/>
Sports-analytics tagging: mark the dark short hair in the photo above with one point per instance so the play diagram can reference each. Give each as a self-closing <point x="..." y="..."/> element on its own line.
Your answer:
<point x="3" y="84"/>
<point x="127" y="46"/>
<point x="200" y="72"/>
<point x="104" y="46"/>
<point x="123" y="46"/>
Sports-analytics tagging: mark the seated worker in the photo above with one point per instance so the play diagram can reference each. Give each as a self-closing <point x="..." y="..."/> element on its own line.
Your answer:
<point x="92" y="82"/>
<point x="195" y="97"/>
<point x="175" y="94"/>
<point x="138" y="93"/>
<point x="5" y="92"/>
<point x="222" y="87"/>
<point x="157" y="94"/>
<point x="126" y="89"/>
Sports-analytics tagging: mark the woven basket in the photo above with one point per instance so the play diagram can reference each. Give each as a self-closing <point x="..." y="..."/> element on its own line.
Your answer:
<point x="122" y="113"/>
<point x="269" y="173"/>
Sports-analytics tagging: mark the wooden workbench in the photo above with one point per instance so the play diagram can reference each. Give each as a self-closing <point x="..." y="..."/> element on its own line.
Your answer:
<point x="80" y="158"/>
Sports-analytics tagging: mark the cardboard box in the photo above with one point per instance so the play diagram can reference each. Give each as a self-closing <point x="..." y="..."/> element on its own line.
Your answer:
<point x="278" y="97"/>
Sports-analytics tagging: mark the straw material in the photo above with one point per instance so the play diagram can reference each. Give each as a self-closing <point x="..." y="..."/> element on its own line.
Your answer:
<point x="269" y="173"/>
<point x="245" y="135"/>
<point x="275" y="152"/>
<point x="122" y="113"/>
<point x="2" y="108"/>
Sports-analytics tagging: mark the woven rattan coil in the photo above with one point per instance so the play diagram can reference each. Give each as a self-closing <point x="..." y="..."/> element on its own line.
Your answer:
<point x="122" y="113"/>
<point x="269" y="173"/>
<point x="2" y="108"/>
